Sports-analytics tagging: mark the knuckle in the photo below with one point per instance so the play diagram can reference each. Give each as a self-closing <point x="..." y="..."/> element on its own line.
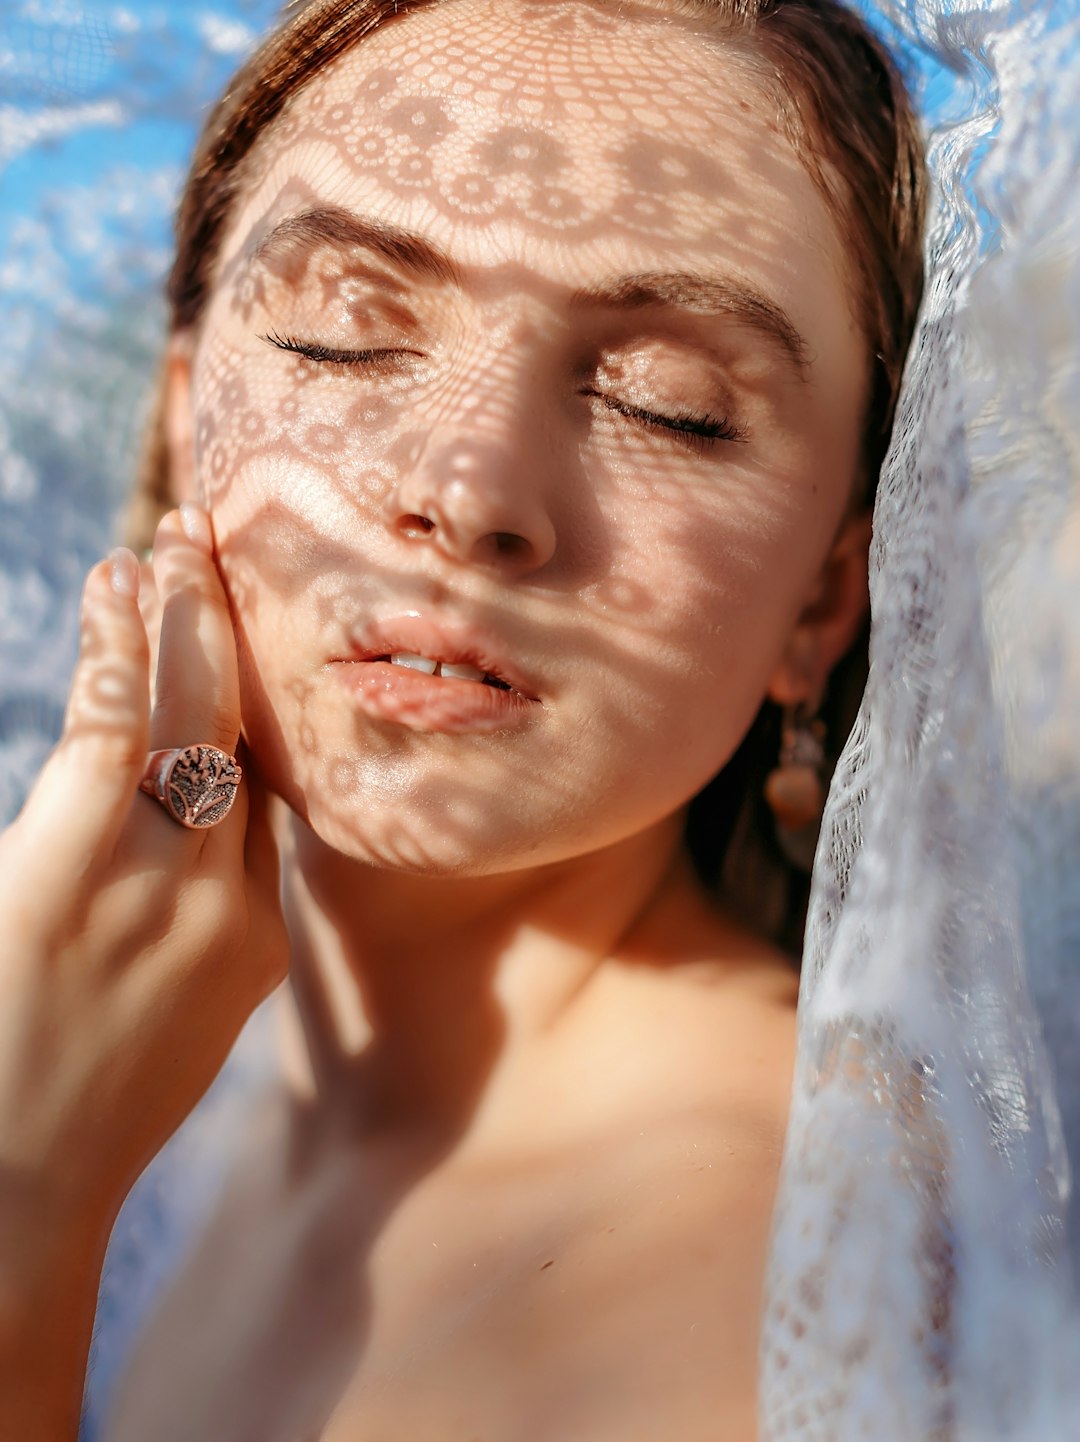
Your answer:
<point x="221" y="716"/>
<point x="179" y="716"/>
<point x="275" y="966"/>
<point x="265" y="961"/>
<point x="269" y="969"/>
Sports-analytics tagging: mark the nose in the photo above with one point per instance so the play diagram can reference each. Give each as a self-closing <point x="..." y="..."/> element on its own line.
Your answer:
<point x="478" y="499"/>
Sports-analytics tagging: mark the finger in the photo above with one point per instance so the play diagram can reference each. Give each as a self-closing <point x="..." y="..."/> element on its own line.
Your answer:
<point x="150" y="607"/>
<point x="198" y="689"/>
<point x="260" y="845"/>
<point x="83" y="796"/>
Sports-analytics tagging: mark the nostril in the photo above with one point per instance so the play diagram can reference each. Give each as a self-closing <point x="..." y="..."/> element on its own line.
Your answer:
<point x="506" y="543"/>
<point x="414" y="525"/>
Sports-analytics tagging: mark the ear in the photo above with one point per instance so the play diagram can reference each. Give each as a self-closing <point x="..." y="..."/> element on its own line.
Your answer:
<point x="830" y="620"/>
<point x="179" y="428"/>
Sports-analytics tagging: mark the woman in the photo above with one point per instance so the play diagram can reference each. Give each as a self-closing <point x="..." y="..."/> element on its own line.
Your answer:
<point x="530" y="369"/>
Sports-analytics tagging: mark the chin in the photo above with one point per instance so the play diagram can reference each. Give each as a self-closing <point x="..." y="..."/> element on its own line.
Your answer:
<point x="454" y="807"/>
<point x="435" y="839"/>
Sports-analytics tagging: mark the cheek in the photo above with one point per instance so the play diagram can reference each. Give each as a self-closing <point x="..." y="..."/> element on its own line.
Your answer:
<point x="710" y="571"/>
<point x="281" y="429"/>
<point x="709" y="564"/>
<point x="293" y="468"/>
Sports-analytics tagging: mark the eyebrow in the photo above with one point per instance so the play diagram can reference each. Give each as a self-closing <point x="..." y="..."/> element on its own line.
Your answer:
<point x="679" y="290"/>
<point x="704" y="295"/>
<point x="332" y="225"/>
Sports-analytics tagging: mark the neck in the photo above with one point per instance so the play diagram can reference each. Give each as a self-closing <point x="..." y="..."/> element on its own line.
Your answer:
<point x="415" y="995"/>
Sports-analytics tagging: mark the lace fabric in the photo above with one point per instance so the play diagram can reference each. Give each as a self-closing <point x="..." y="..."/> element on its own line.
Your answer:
<point x="921" y="1279"/>
<point x="920" y="1283"/>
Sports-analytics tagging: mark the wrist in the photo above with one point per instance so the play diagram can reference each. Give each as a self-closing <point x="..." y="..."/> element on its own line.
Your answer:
<point x="50" y="1268"/>
<point x="48" y="1239"/>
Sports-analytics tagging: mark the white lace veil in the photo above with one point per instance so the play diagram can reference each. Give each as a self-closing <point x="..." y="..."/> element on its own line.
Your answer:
<point x="919" y="1285"/>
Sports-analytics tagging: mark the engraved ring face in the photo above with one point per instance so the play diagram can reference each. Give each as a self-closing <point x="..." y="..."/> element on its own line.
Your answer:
<point x="195" y="784"/>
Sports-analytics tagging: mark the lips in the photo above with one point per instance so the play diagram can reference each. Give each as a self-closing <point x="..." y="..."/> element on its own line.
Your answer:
<point x="433" y="676"/>
<point x="442" y="648"/>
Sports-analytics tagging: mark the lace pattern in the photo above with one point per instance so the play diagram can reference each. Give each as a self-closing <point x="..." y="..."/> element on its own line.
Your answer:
<point x="920" y="1283"/>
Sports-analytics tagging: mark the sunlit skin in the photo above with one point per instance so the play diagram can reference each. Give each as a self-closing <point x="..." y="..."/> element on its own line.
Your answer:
<point x="653" y="584"/>
<point x="585" y="378"/>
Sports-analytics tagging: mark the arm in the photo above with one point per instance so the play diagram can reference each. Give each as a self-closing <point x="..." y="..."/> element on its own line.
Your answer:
<point x="50" y="1266"/>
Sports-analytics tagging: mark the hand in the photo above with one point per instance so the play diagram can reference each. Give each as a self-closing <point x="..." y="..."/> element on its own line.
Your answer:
<point x="132" y="951"/>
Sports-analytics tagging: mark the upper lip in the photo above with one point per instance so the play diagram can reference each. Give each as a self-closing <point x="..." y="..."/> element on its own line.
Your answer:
<point x="439" y="639"/>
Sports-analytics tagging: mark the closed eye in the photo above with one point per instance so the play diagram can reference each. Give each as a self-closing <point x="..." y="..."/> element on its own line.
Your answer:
<point x="697" y="431"/>
<point x="325" y="355"/>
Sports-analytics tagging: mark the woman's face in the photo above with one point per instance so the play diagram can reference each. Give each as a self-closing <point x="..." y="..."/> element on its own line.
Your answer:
<point x="532" y="352"/>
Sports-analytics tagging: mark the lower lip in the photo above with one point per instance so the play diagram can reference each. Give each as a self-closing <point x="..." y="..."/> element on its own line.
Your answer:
<point x="431" y="703"/>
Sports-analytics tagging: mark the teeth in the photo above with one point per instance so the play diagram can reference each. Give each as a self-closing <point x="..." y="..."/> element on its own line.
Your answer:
<point x="462" y="673"/>
<point x="433" y="668"/>
<point x="414" y="663"/>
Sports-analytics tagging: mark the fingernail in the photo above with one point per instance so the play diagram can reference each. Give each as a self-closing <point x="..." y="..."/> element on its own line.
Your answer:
<point x="196" y="524"/>
<point x="124" y="572"/>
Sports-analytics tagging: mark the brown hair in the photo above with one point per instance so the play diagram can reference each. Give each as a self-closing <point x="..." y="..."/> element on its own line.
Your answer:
<point x="845" y="108"/>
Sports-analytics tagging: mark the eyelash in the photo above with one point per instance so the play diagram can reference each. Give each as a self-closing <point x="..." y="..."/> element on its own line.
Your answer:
<point x="695" y="432"/>
<point x="378" y="357"/>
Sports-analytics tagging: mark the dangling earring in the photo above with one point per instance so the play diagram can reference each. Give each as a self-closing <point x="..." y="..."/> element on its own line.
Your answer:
<point x="795" y="790"/>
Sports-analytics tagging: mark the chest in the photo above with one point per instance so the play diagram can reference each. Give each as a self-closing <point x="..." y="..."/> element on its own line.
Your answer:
<point x="614" y="1293"/>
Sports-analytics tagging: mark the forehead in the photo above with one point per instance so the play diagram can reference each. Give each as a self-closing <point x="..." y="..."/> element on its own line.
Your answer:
<point x="566" y="136"/>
